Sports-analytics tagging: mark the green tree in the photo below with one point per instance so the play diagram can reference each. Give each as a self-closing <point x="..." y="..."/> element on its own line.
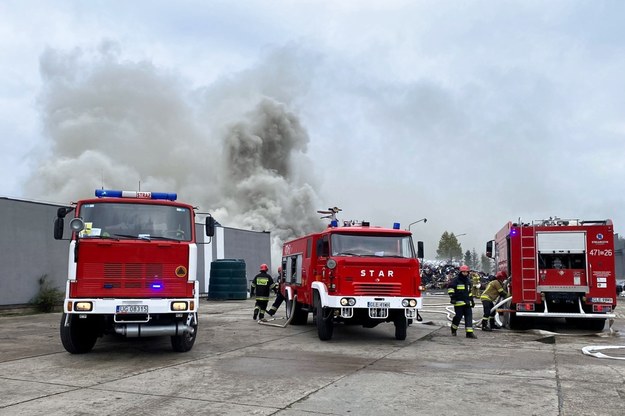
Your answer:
<point x="487" y="264"/>
<point x="449" y="248"/>
<point x="475" y="263"/>
<point x="467" y="258"/>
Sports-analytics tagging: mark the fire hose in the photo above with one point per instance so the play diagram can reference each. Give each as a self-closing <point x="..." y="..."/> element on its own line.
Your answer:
<point x="449" y="311"/>
<point x="592" y="350"/>
<point x="288" y="321"/>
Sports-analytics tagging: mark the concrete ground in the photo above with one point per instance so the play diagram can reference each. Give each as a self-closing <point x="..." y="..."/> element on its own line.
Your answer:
<point x="238" y="367"/>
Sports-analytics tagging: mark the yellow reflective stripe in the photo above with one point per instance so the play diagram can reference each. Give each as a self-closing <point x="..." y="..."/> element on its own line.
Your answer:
<point x="460" y="287"/>
<point x="484" y="297"/>
<point x="469" y="329"/>
<point x="461" y="303"/>
<point x="451" y="290"/>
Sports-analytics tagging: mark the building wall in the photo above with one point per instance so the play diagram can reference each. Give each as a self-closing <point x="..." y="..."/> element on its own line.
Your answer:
<point x="253" y="247"/>
<point x="28" y="250"/>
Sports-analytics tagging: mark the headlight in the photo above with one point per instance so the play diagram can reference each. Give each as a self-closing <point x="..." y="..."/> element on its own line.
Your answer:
<point x="348" y="301"/>
<point x="409" y="303"/>
<point x="77" y="224"/>
<point x="179" y="306"/>
<point x="83" y="306"/>
<point x="331" y="264"/>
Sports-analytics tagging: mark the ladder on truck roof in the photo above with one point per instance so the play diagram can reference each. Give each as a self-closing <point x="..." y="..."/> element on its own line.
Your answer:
<point x="529" y="276"/>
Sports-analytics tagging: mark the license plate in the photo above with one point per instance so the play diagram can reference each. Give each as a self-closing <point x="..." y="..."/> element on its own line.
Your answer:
<point x="132" y="308"/>
<point x="378" y="304"/>
<point x="601" y="300"/>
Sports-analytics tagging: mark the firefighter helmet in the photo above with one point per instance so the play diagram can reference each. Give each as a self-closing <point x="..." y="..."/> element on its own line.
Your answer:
<point x="501" y="275"/>
<point x="464" y="268"/>
<point x="264" y="267"/>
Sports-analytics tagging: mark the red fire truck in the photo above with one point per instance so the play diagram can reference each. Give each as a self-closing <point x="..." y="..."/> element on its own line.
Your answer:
<point x="353" y="274"/>
<point x="132" y="269"/>
<point x="557" y="268"/>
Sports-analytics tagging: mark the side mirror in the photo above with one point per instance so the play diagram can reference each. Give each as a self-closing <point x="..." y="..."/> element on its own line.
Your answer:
<point x="489" y="249"/>
<point x="420" y="250"/>
<point x="63" y="211"/>
<point x="58" y="227"/>
<point x="210" y="226"/>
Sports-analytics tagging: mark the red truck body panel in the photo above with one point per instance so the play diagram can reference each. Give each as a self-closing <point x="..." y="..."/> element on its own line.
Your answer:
<point x="552" y="263"/>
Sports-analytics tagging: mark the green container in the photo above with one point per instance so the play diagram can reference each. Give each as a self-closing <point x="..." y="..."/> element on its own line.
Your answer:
<point x="228" y="280"/>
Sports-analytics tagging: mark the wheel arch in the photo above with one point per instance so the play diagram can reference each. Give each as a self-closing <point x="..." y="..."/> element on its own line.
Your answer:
<point x="323" y="292"/>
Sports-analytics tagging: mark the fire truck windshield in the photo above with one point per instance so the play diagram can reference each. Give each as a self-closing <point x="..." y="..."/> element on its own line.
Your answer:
<point x="372" y="245"/>
<point x="128" y="220"/>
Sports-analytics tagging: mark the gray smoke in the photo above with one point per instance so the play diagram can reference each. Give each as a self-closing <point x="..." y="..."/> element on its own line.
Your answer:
<point x="240" y="153"/>
<point x="263" y="184"/>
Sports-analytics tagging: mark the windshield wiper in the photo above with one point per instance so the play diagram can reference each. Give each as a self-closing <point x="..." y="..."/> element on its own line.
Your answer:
<point x="160" y="237"/>
<point x="347" y="253"/>
<point x="147" y="237"/>
<point x="134" y="237"/>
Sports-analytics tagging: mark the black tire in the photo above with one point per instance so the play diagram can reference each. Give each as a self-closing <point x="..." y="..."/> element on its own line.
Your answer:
<point x="80" y="336"/>
<point x="518" y="322"/>
<point x="300" y="316"/>
<point x="325" y="325"/>
<point x="288" y="305"/>
<point x="595" y="324"/>
<point x="401" y="326"/>
<point x="587" y="324"/>
<point x="184" y="342"/>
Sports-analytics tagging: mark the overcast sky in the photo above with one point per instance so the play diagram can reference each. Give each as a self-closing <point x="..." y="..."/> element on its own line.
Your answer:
<point x="470" y="114"/>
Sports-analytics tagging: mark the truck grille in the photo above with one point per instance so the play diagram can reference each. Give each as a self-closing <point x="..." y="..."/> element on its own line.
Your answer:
<point x="129" y="270"/>
<point x="377" y="289"/>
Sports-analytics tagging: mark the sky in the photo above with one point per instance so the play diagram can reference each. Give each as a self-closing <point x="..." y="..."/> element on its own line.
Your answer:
<point x="470" y="114"/>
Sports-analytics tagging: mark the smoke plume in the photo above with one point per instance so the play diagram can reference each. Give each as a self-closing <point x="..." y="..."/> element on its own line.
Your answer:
<point x="240" y="153"/>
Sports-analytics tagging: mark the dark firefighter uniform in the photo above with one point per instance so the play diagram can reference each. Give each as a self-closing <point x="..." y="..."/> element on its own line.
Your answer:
<point x="459" y="290"/>
<point x="279" y="297"/>
<point x="262" y="285"/>
<point x="488" y="297"/>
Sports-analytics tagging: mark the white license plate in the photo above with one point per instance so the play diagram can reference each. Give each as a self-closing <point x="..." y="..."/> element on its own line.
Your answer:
<point x="132" y="308"/>
<point x="378" y="304"/>
<point x="601" y="300"/>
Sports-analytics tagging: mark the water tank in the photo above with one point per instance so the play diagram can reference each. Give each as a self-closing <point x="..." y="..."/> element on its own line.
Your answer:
<point x="228" y="279"/>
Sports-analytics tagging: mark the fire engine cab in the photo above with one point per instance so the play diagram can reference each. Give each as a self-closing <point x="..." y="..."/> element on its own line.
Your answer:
<point x="557" y="268"/>
<point x="352" y="274"/>
<point x="132" y="269"/>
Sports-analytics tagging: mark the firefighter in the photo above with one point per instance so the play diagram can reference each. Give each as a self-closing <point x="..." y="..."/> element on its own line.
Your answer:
<point x="279" y="296"/>
<point x="489" y="295"/>
<point x="475" y="285"/>
<point x="261" y="286"/>
<point x="459" y="290"/>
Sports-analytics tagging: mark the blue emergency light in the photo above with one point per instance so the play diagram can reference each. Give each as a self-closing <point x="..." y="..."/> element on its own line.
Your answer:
<point x="102" y="193"/>
<point x="395" y="226"/>
<point x="157" y="286"/>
